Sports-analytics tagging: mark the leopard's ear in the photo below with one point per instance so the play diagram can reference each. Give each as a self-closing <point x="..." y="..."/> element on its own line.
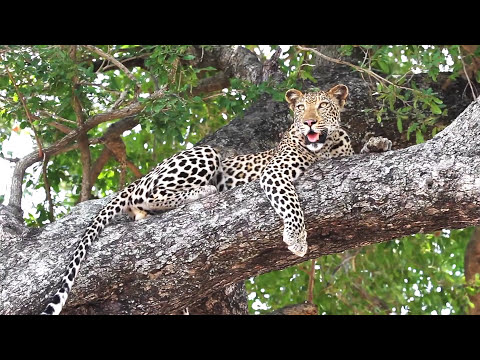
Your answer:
<point x="292" y="96"/>
<point x="339" y="93"/>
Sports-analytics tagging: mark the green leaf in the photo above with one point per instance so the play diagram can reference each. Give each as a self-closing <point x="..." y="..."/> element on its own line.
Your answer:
<point x="188" y="57"/>
<point x="384" y="66"/>
<point x="435" y="109"/>
<point x="399" y="124"/>
<point x="419" y="137"/>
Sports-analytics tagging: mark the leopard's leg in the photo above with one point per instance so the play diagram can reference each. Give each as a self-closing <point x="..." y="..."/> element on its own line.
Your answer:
<point x="281" y="192"/>
<point x="164" y="199"/>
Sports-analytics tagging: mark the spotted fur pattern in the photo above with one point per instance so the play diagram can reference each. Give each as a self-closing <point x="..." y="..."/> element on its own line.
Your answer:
<point x="200" y="172"/>
<point x="315" y="134"/>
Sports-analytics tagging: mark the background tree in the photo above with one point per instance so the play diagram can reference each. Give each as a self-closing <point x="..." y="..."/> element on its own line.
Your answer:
<point x="103" y="115"/>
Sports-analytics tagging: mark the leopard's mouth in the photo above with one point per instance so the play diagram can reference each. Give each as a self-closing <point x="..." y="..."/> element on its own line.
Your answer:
<point x="314" y="138"/>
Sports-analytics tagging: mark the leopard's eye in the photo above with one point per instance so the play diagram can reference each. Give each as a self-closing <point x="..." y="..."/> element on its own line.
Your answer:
<point x="323" y="105"/>
<point x="300" y="107"/>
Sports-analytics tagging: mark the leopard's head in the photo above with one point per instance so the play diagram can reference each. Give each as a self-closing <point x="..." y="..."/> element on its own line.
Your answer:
<point x="317" y="114"/>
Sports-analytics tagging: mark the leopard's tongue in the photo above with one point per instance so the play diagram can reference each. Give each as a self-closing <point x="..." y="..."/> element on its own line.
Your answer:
<point x="313" y="137"/>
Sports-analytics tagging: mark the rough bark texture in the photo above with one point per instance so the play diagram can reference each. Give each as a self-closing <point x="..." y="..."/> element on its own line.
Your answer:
<point x="164" y="263"/>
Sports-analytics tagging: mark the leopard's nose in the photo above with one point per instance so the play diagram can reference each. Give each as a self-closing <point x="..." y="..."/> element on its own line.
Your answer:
<point x="309" y="122"/>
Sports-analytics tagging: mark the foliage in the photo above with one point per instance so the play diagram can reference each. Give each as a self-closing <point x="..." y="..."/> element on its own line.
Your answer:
<point x="420" y="274"/>
<point x="392" y="277"/>
<point x="45" y="77"/>
<point x="404" y="99"/>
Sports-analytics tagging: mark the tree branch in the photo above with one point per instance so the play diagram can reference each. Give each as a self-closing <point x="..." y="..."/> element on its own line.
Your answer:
<point x="126" y="112"/>
<point x="82" y="140"/>
<point x="114" y="61"/>
<point x="48" y="195"/>
<point x="223" y="239"/>
<point x="356" y="67"/>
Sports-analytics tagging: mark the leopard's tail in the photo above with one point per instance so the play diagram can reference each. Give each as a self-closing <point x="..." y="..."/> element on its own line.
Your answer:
<point x="114" y="207"/>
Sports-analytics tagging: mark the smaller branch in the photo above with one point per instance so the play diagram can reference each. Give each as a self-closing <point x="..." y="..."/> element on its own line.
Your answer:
<point x="99" y="163"/>
<point x="211" y="84"/>
<point x="56" y="117"/>
<point x="297" y="309"/>
<point x="130" y="62"/>
<point x="472" y="267"/>
<point x="29" y="115"/>
<point x="311" y="281"/>
<point x="134" y="169"/>
<point x="120" y="99"/>
<point x="47" y="188"/>
<point x="83" y="144"/>
<point x="62" y="128"/>
<point x="472" y="89"/>
<point x="84" y="83"/>
<point x="113" y="61"/>
<point x="127" y="113"/>
<point x="357" y="68"/>
<point x="14" y="160"/>
<point x="123" y="173"/>
<point x="348" y="256"/>
<point x="374" y="301"/>
<point x="271" y="66"/>
<point x="214" y="96"/>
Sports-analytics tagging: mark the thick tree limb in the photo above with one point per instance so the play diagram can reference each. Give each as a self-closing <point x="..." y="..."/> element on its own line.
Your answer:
<point x="164" y="263"/>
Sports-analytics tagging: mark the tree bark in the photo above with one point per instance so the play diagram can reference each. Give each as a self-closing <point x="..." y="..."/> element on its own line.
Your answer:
<point x="164" y="263"/>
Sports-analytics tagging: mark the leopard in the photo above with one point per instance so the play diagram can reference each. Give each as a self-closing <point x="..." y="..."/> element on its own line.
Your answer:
<point x="201" y="171"/>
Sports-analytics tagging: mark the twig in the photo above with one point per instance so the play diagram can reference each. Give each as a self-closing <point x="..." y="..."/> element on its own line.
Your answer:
<point x="347" y="258"/>
<point x="100" y="86"/>
<point x="47" y="188"/>
<point x="311" y="281"/>
<point x="63" y="144"/>
<point x="104" y="62"/>
<point x="29" y="115"/>
<point x="120" y="99"/>
<point x="357" y="68"/>
<point x="123" y="172"/>
<point x="9" y="158"/>
<point x="56" y="117"/>
<point x="114" y="61"/>
<point x="472" y="89"/>
<point x="83" y="146"/>
<point x="374" y="301"/>
<point x="213" y="96"/>
<point x="62" y="128"/>
<point x="134" y="169"/>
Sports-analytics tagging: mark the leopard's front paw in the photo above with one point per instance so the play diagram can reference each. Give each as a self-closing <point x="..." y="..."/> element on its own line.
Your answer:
<point x="376" y="144"/>
<point x="296" y="244"/>
<point x="299" y="249"/>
